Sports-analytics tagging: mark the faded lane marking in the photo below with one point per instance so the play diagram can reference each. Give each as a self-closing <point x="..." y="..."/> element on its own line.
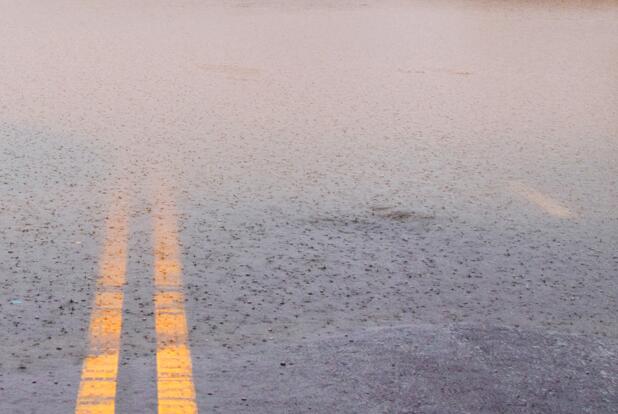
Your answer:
<point x="543" y="201"/>
<point x="437" y="70"/>
<point x="97" y="390"/>
<point x="233" y="71"/>
<point x="175" y="388"/>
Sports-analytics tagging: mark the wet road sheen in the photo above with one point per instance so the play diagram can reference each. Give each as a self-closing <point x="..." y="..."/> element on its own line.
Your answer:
<point x="308" y="206"/>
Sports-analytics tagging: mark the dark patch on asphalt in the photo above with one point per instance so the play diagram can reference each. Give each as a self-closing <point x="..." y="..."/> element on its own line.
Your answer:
<point x="420" y="369"/>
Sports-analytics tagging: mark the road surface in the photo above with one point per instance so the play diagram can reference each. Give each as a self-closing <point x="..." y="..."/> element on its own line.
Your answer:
<point x="308" y="206"/>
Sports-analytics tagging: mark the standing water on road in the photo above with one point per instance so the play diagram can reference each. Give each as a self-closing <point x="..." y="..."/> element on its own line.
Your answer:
<point x="320" y="206"/>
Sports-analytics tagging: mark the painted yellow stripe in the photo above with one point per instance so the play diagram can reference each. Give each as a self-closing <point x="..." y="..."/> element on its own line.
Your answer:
<point x="175" y="388"/>
<point x="97" y="390"/>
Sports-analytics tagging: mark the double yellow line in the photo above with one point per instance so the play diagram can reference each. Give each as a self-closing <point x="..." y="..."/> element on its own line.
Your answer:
<point x="175" y="388"/>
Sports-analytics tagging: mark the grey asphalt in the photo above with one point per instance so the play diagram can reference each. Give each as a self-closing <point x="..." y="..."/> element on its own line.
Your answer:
<point x="383" y="206"/>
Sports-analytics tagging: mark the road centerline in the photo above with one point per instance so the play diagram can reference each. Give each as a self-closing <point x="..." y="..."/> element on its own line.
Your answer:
<point x="97" y="390"/>
<point x="175" y="387"/>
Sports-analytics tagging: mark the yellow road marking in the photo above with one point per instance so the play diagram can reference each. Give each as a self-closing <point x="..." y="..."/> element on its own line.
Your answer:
<point x="175" y="388"/>
<point x="97" y="390"/>
<point x="543" y="201"/>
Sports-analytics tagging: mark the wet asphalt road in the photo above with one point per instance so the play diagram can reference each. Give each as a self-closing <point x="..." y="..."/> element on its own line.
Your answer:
<point x="376" y="207"/>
